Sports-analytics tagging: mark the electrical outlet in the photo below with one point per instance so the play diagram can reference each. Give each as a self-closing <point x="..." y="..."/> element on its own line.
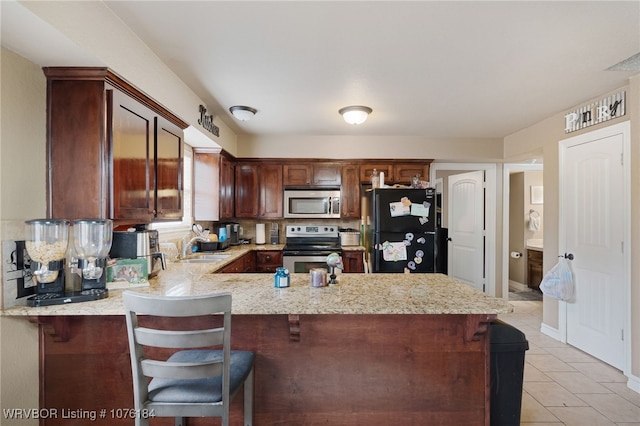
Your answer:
<point x="16" y="272"/>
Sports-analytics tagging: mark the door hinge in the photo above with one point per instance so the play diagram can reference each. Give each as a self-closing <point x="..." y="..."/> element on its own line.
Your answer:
<point x="622" y="158"/>
<point x="622" y="246"/>
<point x="622" y="334"/>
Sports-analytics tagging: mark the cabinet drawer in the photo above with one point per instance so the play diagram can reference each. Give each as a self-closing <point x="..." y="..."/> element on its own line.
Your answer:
<point x="268" y="261"/>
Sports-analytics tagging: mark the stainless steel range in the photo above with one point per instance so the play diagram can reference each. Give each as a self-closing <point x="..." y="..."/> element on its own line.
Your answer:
<point x="307" y="247"/>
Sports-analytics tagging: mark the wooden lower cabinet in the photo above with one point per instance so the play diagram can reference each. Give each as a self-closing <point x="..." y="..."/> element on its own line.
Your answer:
<point x="374" y="370"/>
<point x="352" y="261"/>
<point x="534" y="269"/>
<point x="244" y="264"/>
<point x="268" y="260"/>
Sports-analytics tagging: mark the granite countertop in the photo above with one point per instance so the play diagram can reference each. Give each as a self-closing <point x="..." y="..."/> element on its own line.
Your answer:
<point x="255" y="294"/>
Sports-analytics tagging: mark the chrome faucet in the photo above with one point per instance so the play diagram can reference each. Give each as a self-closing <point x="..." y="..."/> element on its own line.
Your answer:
<point x="186" y="244"/>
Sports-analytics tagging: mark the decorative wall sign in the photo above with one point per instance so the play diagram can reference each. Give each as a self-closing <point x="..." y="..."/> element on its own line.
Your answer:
<point x="206" y="121"/>
<point x="596" y="112"/>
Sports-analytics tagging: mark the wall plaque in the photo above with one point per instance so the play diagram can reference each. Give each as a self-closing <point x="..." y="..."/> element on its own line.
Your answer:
<point x="597" y="112"/>
<point x="206" y="121"/>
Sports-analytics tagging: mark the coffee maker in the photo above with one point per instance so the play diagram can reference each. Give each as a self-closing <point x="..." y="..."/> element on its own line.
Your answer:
<point x="234" y="234"/>
<point x="92" y="243"/>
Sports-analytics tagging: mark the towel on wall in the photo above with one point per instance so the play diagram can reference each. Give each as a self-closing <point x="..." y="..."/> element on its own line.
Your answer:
<point x="534" y="221"/>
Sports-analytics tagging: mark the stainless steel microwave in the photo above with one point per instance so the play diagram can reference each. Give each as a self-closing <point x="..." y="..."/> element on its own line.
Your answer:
<point x="311" y="203"/>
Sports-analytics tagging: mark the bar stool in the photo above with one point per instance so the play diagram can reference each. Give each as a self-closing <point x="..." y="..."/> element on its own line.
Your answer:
<point x="196" y="380"/>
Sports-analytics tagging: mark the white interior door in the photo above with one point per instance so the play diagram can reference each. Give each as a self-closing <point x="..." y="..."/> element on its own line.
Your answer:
<point x="593" y="221"/>
<point x="466" y="228"/>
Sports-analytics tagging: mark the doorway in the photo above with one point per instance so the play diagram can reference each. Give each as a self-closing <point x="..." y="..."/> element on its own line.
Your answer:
<point x="517" y="242"/>
<point x="487" y="257"/>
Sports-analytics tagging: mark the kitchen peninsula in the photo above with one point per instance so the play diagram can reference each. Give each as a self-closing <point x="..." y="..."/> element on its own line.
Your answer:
<point x="375" y="349"/>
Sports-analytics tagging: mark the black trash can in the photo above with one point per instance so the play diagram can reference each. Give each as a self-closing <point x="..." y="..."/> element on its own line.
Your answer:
<point x="508" y="345"/>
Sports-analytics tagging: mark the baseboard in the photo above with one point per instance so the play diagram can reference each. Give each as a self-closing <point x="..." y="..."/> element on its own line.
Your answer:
<point x="634" y="383"/>
<point x="516" y="286"/>
<point x="550" y="331"/>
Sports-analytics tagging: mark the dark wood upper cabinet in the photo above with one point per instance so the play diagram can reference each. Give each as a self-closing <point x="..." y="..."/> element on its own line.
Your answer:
<point x="350" y="191"/>
<point x="327" y="174"/>
<point x="312" y="174"/>
<point x="271" y="194"/>
<point x="297" y="174"/>
<point x="403" y="172"/>
<point x="213" y="186"/>
<point x="258" y="190"/>
<point x="395" y="171"/>
<point x="227" y="188"/>
<point x="367" y="168"/>
<point x="247" y="190"/>
<point x="112" y="152"/>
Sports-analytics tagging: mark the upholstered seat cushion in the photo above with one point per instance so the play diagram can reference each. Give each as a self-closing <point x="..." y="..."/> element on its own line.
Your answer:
<point x="208" y="390"/>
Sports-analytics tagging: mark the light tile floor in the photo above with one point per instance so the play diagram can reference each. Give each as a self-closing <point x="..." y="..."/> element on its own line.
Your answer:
<point x="565" y="386"/>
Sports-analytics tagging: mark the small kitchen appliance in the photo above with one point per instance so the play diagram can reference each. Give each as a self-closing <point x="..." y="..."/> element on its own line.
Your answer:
<point x="307" y="247"/>
<point x="275" y="234"/>
<point x="234" y="234"/>
<point x="138" y="243"/>
<point x="46" y="244"/>
<point x="312" y="203"/>
<point x="92" y="238"/>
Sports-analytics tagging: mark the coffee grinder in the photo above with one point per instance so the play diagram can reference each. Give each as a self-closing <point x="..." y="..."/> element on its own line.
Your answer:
<point x="46" y="244"/>
<point x="92" y="239"/>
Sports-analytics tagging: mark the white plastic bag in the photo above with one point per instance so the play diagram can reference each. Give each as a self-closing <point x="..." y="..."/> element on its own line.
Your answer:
<point x="558" y="282"/>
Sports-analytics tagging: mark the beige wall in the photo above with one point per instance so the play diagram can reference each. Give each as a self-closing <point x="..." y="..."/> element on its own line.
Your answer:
<point x="340" y="147"/>
<point x="22" y="196"/>
<point x="517" y="267"/>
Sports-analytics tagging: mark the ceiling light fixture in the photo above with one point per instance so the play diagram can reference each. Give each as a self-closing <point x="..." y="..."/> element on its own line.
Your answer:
<point x="355" y="114"/>
<point x="243" y="113"/>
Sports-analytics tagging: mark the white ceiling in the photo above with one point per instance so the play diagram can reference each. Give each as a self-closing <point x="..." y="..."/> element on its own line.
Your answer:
<point x="436" y="69"/>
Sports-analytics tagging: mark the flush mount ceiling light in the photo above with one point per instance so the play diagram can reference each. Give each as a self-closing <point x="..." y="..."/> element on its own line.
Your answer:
<point x="243" y="113"/>
<point x="355" y="114"/>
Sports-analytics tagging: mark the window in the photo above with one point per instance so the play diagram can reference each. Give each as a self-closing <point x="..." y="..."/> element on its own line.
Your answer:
<point x="176" y="230"/>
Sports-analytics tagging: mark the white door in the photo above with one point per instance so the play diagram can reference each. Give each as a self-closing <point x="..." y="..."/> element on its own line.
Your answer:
<point x="593" y="203"/>
<point x="466" y="228"/>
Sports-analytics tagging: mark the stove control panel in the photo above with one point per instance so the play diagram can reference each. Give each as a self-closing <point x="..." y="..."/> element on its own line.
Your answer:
<point x="311" y="231"/>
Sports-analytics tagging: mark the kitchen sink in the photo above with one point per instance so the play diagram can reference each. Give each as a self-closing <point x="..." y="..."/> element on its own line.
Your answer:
<point x="206" y="258"/>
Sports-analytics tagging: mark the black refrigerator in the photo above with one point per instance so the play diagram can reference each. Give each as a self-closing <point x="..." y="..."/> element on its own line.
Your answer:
<point x="400" y="229"/>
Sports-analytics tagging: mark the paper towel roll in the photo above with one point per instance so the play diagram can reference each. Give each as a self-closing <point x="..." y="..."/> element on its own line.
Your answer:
<point x="516" y="255"/>
<point x="381" y="179"/>
<point x="260" y="234"/>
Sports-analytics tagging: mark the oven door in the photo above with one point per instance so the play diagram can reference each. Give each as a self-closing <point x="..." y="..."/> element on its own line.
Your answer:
<point x="303" y="264"/>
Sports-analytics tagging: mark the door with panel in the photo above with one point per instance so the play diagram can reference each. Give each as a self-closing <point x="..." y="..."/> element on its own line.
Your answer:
<point x="466" y="255"/>
<point x="592" y="228"/>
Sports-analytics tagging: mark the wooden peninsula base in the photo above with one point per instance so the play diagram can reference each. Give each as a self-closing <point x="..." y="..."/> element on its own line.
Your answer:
<point x="329" y="369"/>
